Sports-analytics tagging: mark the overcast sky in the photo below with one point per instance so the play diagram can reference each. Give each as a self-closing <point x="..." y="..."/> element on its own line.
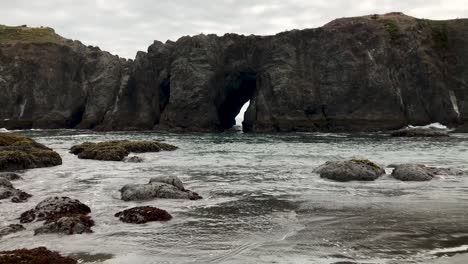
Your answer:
<point x="125" y="26"/>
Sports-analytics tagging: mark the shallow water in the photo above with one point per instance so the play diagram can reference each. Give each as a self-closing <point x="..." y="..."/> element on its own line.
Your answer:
<point x="262" y="202"/>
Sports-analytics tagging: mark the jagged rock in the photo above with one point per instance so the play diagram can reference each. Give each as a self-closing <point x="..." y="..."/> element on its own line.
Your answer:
<point x="18" y="153"/>
<point x="11" y="176"/>
<point x="76" y="224"/>
<point x="143" y="214"/>
<point x="350" y="170"/>
<point x="53" y="208"/>
<point x="172" y="180"/>
<point x="419" y="132"/>
<point x="413" y="172"/>
<point x="134" y="159"/>
<point x="10" y="229"/>
<point x="160" y="187"/>
<point x="7" y="190"/>
<point x="369" y="73"/>
<point x="40" y="255"/>
<point x="61" y="215"/>
<point x="117" y="150"/>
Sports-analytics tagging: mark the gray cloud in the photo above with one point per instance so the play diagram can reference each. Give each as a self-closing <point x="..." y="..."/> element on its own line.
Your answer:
<point x="124" y="26"/>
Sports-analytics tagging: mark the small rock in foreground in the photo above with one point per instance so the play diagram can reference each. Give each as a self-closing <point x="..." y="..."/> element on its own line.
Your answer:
<point x="7" y="190"/>
<point x="10" y="229"/>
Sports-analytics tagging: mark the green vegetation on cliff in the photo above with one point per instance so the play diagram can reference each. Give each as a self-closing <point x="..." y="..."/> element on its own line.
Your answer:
<point x="26" y="34"/>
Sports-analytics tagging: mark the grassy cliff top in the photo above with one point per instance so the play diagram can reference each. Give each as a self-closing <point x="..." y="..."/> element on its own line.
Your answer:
<point x="27" y="34"/>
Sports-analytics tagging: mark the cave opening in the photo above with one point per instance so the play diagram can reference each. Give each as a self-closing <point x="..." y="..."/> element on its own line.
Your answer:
<point x="238" y="91"/>
<point x="164" y="93"/>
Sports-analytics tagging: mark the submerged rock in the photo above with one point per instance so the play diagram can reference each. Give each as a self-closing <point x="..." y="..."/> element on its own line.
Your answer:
<point x="169" y="187"/>
<point x="19" y="153"/>
<point x="134" y="159"/>
<point x="419" y="172"/>
<point x="10" y="229"/>
<point x="77" y="224"/>
<point x="350" y="170"/>
<point x="11" y="176"/>
<point x="61" y="215"/>
<point x="143" y="214"/>
<point x="117" y="150"/>
<point x="413" y="172"/>
<point x="419" y="132"/>
<point x="8" y="191"/>
<point x="40" y="255"/>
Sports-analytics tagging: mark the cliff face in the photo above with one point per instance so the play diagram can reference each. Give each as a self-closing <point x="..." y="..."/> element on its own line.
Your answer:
<point x="353" y="74"/>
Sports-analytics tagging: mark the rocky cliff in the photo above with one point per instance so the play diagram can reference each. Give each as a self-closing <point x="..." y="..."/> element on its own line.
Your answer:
<point x="367" y="73"/>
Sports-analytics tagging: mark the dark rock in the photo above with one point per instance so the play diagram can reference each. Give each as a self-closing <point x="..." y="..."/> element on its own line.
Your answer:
<point x="134" y="159"/>
<point x="370" y="73"/>
<point x="10" y="229"/>
<point x="160" y="187"/>
<point x="143" y="214"/>
<point x="76" y="224"/>
<point x="350" y="170"/>
<point x="40" y="255"/>
<point x="11" y="176"/>
<point x="419" y="132"/>
<point x="413" y="172"/>
<point x="18" y="153"/>
<point x="117" y="150"/>
<point x="55" y="207"/>
<point x="8" y="191"/>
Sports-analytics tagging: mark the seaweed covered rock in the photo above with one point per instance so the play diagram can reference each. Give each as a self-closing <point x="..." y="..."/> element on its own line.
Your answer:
<point x="10" y="229"/>
<point x="163" y="187"/>
<point x="415" y="172"/>
<point x="61" y="215"/>
<point x="8" y="191"/>
<point x="143" y="214"/>
<point x="19" y="153"/>
<point x="419" y="132"/>
<point x="40" y="255"/>
<point x="117" y="150"/>
<point x="350" y="170"/>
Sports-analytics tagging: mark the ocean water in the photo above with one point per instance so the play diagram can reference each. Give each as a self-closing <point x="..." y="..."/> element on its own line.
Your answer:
<point x="262" y="201"/>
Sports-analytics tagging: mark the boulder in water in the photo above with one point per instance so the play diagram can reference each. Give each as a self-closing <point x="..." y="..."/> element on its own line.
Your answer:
<point x="19" y="153"/>
<point x="350" y="170"/>
<point x="40" y="255"/>
<point x="11" y="176"/>
<point x="8" y="191"/>
<point x="168" y="187"/>
<point x="413" y="172"/>
<point x="134" y="159"/>
<point x="117" y="150"/>
<point x="61" y="215"/>
<point x="10" y="229"/>
<point x="143" y="214"/>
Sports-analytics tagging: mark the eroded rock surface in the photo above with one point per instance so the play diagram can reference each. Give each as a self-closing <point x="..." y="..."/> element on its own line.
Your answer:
<point x="40" y="255"/>
<point x="143" y="214"/>
<point x="160" y="187"/>
<point x="117" y="150"/>
<point x="350" y="170"/>
<point x="19" y="153"/>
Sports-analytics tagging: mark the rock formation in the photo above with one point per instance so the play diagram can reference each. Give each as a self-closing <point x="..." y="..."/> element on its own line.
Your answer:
<point x="36" y="255"/>
<point x="143" y="214"/>
<point x="379" y="72"/>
